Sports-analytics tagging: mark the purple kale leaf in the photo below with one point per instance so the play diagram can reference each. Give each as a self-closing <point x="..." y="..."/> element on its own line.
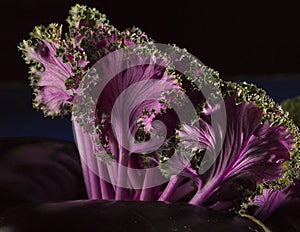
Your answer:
<point x="251" y="150"/>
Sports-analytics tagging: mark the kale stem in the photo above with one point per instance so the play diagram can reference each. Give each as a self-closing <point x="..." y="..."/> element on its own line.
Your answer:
<point x="85" y="146"/>
<point x="82" y="150"/>
<point x="137" y="195"/>
<point x="112" y="172"/>
<point x="203" y="193"/>
<point x="182" y="191"/>
<point x="106" y="191"/>
<point x="93" y="167"/>
<point x="106" y="188"/>
<point x="171" y="187"/>
<point x="122" y="174"/>
<point x="134" y="179"/>
<point x="147" y="194"/>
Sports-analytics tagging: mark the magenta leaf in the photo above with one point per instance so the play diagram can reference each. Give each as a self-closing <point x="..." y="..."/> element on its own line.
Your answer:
<point x="251" y="150"/>
<point x="269" y="201"/>
<point x="49" y="73"/>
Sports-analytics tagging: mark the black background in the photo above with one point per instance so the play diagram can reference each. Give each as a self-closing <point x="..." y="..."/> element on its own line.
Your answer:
<point x="235" y="38"/>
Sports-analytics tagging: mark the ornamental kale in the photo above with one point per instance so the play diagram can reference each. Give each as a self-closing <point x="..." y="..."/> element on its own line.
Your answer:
<point x="269" y="201"/>
<point x="251" y="150"/>
<point x="49" y="73"/>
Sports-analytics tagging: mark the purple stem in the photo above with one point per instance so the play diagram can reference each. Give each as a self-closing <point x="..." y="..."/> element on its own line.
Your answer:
<point x="122" y="174"/>
<point x="135" y="180"/>
<point x="203" y="193"/>
<point x="85" y="148"/>
<point x="86" y="177"/>
<point x="112" y="172"/>
<point x="92" y="164"/>
<point x="208" y="189"/>
<point x="106" y="188"/>
<point x="137" y="195"/>
<point x="95" y="187"/>
<point x="182" y="191"/>
<point x="82" y="150"/>
<point x="170" y="188"/>
<point x="147" y="194"/>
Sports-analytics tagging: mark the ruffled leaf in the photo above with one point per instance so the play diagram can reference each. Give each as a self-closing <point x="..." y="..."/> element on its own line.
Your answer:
<point x="48" y="72"/>
<point x="135" y="97"/>
<point x="269" y="201"/>
<point x="274" y="114"/>
<point x="251" y="150"/>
